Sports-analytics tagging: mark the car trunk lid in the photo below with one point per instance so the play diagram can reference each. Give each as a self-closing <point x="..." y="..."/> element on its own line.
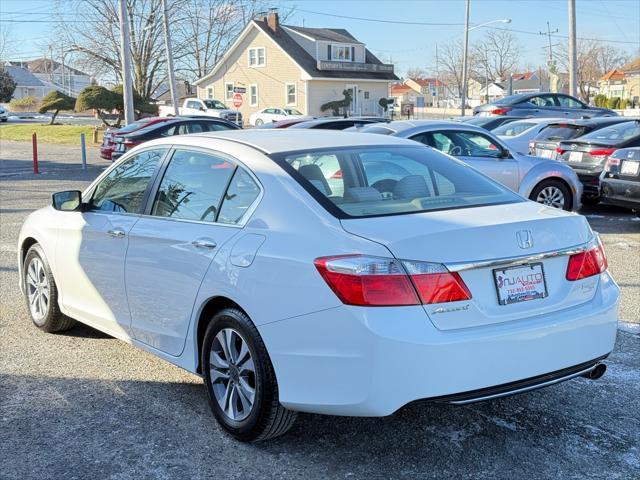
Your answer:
<point x="467" y="240"/>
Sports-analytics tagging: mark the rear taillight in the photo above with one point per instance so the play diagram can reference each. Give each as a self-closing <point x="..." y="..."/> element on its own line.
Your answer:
<point x="587" y="264"/>
<point x="560" y="151"/>
<point x="603" y="152"/>
<point x="610" y="163"/>
<point x="500" y="110"/>
<point x="129" y="143"/>
<point x="374" y="281"/>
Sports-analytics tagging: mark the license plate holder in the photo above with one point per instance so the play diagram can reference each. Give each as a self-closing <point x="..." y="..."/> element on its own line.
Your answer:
<point x="520" y="284"/>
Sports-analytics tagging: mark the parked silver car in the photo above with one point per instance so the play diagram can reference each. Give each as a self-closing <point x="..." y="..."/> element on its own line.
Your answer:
<point x="542" y="105"/>
<point x="542" y="180"/>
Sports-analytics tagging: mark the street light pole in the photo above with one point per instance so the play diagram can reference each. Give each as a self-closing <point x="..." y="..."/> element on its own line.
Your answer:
<point x="573" y="54"/>
<point x="464" y="59"/>
<point x="167" y="41"/>
<point x="125" y="59"/>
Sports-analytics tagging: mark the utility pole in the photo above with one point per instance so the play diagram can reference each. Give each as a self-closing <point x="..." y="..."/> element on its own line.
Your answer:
<point x="464" y="58"/>
<point x="167" y="41"/>
<point x="437" y="63"/>
<point x="125" y="59"/>
<point x="549" y="33"/>
<point x="573" y="55"/>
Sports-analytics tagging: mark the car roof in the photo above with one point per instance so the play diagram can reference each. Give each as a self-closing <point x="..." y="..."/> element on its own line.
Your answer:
<point x="285" y="140"/>
<point x="321" y="121"/>
<point x="428" y="125"/>
<point x="595" y="120"/>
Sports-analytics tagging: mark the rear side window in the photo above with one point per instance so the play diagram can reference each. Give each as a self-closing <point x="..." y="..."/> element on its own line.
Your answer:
<point x="193" y="186"/>
<point x="123" y="189"/>
<point x="390" y="181"/>
<point x="241" y="194"/>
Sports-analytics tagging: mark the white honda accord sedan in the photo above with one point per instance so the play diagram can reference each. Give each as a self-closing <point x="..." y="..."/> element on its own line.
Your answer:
<point x="319" y="271"/>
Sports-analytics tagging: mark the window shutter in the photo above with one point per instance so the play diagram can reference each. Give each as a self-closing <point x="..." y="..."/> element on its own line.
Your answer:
<point x="353" y="54"/>
<point x="329" y="52"/>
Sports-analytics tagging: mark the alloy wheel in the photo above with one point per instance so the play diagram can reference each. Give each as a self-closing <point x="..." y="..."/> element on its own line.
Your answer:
<point x="233" y="376"/>
<point x="38" y="289"/>
<point x="551" y="196"/>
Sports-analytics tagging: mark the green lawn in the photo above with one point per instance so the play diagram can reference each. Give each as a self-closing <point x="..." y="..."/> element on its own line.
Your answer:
<point x="60" y="134"/>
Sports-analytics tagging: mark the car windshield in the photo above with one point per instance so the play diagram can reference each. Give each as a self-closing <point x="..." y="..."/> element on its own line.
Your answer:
<point x="292" y="111"/>
<point x="217" y="104"/>
<point x="614" y="134"/>
<point x="561" y="131"/>
<point x="514" y="128"/>
<point x="390" y="180"/>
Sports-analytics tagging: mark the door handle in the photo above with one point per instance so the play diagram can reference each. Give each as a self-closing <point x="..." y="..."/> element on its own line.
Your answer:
<point x="204" y="243"/>
<point x="116" y="233"/>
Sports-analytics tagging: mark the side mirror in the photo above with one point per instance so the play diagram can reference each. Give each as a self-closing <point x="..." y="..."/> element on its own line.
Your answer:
<point x="67" y="201"/>
<point x="203" y="109"/>
<point x="505" y="154"/>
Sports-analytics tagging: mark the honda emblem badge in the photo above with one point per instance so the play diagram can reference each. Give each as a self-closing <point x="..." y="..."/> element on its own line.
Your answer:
<point x="525" y="239"/>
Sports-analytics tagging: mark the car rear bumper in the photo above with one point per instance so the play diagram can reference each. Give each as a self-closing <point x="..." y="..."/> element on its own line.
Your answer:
<point x="622" y="193"/>
<point x="372" y="361"/>
<point x="105" y="152"/>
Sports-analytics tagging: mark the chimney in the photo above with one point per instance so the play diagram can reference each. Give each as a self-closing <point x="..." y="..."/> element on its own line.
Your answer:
<point x="272" y="20"/>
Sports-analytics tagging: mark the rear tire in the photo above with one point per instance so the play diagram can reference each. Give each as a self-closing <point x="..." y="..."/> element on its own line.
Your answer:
<point x="590" y="201"/>
<point x="240" y="381"/>
<point x="259" y="123"/>
<point x="552" y="193"/>
<point x="41" y="293"/>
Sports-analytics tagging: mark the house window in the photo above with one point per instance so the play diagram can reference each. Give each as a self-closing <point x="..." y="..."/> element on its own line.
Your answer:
<point x="366" y="95"/>
<point x="257" y="57"/>
<point x="210" y="93"/>
<point x="342" y="53"/>
<point x="290" y="97"/>
<point x="253" y="95"/>
<point x="228" y="91"/>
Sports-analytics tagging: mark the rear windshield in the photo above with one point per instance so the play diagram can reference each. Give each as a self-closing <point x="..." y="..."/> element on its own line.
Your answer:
<point x="615" y="134"/>
<point x="511" y="99"/>
<point x="561" y="132"/>
<point x="377" y="129"/>
<point x="512" y="129"/>
<point x="374" y="181"/>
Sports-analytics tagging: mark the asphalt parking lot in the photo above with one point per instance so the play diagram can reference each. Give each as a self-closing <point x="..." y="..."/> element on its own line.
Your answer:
<point x="85" y="405"/>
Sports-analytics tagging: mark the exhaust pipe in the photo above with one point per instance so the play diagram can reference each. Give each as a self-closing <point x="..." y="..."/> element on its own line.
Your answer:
<point x="596" y="372"/>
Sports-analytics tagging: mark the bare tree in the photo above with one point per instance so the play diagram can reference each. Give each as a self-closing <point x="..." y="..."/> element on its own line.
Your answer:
<point x="95" y="42"/>
<point x="5" y="43"/>
<point x="497" y="53"/>
<point x="416" y="72"/>
<point x="450" y="60"/>
<point x="595" y="58"/>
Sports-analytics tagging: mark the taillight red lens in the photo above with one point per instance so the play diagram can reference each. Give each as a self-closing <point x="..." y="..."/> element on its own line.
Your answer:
<point x="603" y="152"/>
<point x="370" y="281"/>
<point x="559" y="150"/>
<point x="500" y="111"/>
<point x="441" y="288"/>
<point x="374" y="281"/>
<point x="587" y="264"/>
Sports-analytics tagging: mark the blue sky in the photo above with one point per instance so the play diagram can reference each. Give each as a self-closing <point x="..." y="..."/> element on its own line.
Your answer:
<point x="406" y="45"/>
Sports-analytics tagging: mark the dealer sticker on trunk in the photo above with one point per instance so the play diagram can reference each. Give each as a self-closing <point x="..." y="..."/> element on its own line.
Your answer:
<point x="519" y="284"/>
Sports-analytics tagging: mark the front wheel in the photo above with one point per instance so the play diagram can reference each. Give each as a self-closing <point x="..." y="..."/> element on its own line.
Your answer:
<point x="240" y="380"/>
<point x="42" y="293"/>
<point x="259" y="123"/>
<point x="552" y="193"/>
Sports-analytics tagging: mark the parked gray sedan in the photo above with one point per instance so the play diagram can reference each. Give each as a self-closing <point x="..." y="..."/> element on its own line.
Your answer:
<point x="542" y="180"/>
<point x="541" y="105"/>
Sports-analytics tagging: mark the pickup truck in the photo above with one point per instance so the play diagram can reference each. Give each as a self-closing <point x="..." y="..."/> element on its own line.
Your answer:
<point x="205" y="108"/>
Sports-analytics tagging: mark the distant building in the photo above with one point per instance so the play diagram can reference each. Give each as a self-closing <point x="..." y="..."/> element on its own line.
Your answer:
<point x="612" y="84"/>
<point x="286" y="66"/>
<point x="431" y="89"/>
<point x="183" y="89"/>
<point x="632" y="80"/>
<point x="51" y="75"/>
<point x="404" y="94"/>
<point x="27" y="84"/>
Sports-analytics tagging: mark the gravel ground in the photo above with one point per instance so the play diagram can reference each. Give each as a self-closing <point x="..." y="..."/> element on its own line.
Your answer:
<point x="84" y="405"/>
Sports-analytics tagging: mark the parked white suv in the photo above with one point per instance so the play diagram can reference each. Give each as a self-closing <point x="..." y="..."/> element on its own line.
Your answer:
<point x="268" y="115"/>
<point x="207" y="108"/>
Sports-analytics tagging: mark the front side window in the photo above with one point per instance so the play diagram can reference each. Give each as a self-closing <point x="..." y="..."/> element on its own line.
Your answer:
<point x="193" y="186"/>
<point x="364" y="182"/>
<point x="123" y="189"/>
<point x="215" y="104"/>
<point x="290" y="93"/>
<point x="465" y="144"/>
<point x="228" y="91"/>
<point x="568" y="102"/>
<point x="542" y="101"/>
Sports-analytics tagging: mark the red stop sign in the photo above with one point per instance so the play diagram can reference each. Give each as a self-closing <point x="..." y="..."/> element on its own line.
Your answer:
<point x="237" y="100"/>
